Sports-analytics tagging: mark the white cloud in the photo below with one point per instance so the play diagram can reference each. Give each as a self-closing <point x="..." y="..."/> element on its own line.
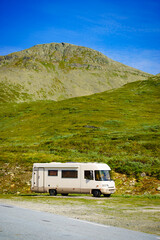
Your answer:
<point x="145" y="60"/>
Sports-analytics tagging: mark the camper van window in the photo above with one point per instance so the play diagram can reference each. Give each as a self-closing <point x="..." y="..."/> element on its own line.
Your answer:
<point x="52" y="172"/>
<point x="69" y="174"/>
<point x="102" y="175"/>
<point x="88" y="175"/>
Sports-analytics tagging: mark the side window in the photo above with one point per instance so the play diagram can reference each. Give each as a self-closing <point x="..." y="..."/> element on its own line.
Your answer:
<point x="69" y="174"/>
<point x="52" y="172"/>
<point x="88" y="174"/>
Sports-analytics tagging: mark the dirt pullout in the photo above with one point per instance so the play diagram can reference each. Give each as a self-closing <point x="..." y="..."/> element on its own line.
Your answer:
<point x="112" y="212"/>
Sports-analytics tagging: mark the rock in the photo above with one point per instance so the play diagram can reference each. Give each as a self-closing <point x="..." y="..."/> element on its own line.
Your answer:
<point x="128" y="191"/>
<point x="132" y="183"/>
<point x="143" y="174"/>
<point x="12" y="175"/>
<point x="89" y="126"/>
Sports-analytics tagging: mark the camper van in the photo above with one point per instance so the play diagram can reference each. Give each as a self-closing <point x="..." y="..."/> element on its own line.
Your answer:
<point x="64" y="178"/>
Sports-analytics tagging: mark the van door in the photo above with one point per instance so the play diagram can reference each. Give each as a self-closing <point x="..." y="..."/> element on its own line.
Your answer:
<point x="87" y="180"/>
<point x="40" y="179"/>
<point x="35" y="178"/>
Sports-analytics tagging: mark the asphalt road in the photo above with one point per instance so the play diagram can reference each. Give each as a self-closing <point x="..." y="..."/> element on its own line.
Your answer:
<point x="19" y="223"/>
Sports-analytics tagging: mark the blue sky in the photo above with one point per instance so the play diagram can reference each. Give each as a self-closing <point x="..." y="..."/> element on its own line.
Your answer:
<point x="126" y="31"/>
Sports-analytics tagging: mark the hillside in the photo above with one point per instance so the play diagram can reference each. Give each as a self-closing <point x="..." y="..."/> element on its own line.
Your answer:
<point x="58" y="71"/>
<point x="120" y="127"/>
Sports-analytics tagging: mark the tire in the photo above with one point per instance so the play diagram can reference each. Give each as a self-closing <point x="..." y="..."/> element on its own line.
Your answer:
<point x="64" y="194"/>
<point x="96" y="193"/>
<point x="107" y="195"/>
<point x="52" y="192"/>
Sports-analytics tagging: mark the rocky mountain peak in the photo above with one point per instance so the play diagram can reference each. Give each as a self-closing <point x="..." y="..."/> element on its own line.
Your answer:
<point x="60" y="70"/>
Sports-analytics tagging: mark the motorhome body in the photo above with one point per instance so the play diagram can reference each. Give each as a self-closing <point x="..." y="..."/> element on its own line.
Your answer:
<point x="64" y="178"/>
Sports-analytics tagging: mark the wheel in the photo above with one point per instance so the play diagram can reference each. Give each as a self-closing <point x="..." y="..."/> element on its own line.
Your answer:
<point x="96" y="193"/>
<point x="64" y="194"/>
<point x="107" y="195"/>
<point x="53" y="192"/>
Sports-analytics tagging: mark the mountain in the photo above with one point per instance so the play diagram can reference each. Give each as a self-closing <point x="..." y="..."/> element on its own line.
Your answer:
<point x="58" y="71"/>
<point x="120" y="127"/>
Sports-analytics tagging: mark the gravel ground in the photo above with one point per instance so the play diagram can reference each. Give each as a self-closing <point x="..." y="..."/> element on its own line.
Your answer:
<point x="100" y="210"/>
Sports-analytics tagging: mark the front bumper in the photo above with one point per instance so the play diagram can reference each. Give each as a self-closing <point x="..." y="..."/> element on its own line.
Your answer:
<point x="107" y="190"/>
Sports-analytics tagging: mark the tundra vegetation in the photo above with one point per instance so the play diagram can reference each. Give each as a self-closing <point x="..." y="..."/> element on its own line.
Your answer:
<point x="119" y="127"/>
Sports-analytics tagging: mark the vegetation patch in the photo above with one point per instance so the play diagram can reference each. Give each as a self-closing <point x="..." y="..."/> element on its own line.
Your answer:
<point x="118" y="127"/>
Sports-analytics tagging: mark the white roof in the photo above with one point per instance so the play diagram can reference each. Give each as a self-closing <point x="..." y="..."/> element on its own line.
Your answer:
<point x="100" y="166"/>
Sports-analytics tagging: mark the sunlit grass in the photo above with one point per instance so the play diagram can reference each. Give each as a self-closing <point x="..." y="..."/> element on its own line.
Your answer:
<point x="119" y="127"/>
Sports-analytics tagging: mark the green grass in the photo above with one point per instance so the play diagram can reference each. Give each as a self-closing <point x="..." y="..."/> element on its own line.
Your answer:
<point x="119" y="127"/>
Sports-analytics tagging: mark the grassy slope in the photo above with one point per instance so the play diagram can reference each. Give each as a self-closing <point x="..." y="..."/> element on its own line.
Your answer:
<point x="120" y="127"/>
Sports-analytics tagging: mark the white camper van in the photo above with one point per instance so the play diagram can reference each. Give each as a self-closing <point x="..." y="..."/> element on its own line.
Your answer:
<point x="64" y="178"/>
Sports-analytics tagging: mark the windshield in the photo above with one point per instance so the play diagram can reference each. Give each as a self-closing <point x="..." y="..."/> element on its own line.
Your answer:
<point x="102" y="175"/>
